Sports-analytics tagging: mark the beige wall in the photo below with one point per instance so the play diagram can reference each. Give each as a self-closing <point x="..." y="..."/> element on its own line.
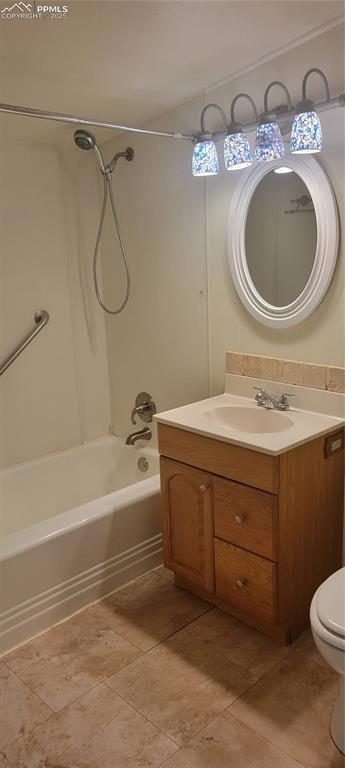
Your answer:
<point x="174" y="223"/>
<point x="56" y="394"/>
<point x="321" y="337"/>
<point x="159" y="342"/>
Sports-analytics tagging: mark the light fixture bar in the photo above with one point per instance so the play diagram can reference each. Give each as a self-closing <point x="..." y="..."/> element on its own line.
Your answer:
<point x="75" y="120"/>
<point x="322" y="106"/>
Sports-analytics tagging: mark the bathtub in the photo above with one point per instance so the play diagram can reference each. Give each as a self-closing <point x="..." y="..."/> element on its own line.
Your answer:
<point x="74" y="526"/>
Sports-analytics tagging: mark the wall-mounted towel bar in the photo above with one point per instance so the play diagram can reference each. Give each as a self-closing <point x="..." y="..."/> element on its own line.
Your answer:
<point x="41" y="318"/>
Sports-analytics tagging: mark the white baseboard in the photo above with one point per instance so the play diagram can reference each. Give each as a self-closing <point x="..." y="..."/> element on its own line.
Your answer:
<point x="42" y="611"/>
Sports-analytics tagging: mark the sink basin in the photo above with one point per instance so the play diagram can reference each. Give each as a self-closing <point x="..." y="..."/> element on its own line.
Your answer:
<point x="238" y="420"/>
<point x="244" y="419"/>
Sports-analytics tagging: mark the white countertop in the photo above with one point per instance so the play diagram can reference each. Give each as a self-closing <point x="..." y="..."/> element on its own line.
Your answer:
<point x="302" y="424"/>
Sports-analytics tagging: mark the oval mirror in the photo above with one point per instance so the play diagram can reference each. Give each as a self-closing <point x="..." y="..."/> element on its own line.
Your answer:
<point x="283" y="239"/>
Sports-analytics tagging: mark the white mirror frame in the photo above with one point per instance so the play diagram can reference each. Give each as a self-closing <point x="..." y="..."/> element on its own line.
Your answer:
<point x="326" y="214"/>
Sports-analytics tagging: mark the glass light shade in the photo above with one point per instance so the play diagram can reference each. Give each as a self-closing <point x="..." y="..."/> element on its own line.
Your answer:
<point x="269" y="143"/>
<point x="306" y="134"/>
<point x="205" y="159"/>
<point x="237" y="152"/>
<point x="283" y="169"/>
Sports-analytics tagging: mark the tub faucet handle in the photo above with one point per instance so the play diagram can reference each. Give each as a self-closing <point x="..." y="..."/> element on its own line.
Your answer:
<point x="144" y="408"/>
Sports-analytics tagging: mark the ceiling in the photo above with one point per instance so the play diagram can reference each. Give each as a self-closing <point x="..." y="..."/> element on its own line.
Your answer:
<point x="129" y="61"/>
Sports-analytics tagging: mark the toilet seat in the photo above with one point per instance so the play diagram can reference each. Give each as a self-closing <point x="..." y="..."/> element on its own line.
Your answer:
<point x="327" y="610"/>
<point x="330" y="603"/>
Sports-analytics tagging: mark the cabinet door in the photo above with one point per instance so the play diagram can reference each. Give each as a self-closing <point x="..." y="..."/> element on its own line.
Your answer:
<point x="187" y="521"/>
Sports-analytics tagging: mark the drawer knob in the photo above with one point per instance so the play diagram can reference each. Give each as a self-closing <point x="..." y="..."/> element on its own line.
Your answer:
<point x="241" y="582"/>
<point x="203" y="487"/>
<point x="240" y="519"/>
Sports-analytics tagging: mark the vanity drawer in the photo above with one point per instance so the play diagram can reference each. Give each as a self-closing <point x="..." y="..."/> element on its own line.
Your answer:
<point x="245" y="516"/>
<point x="240" y="464"/>
<point x="246" y="581"/>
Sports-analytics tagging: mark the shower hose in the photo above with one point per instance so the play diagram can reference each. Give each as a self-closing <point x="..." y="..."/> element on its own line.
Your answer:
<point x="107" y="188"/>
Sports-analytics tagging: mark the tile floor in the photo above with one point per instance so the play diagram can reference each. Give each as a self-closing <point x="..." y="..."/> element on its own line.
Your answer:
<point x="152" y="676"/>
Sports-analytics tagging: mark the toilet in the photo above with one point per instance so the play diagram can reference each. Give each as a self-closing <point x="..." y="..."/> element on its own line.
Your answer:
<point x="327" y="617"/>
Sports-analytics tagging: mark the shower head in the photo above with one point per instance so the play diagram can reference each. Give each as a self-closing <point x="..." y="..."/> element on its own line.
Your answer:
<point x="84" y="140"/>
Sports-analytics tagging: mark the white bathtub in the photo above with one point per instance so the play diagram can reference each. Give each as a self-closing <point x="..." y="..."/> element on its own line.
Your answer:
<point x="74" y="526"/>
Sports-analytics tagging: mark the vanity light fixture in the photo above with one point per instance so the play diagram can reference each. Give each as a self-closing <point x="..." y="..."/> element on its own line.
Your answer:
<point x="306" y="133"/>
<point x="205" y="158"/>
<point x="269" y="143"/>
<point x="237" y="152"/>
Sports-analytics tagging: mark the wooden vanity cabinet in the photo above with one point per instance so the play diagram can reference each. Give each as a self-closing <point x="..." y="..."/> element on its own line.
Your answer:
<point x="252" y="533"/>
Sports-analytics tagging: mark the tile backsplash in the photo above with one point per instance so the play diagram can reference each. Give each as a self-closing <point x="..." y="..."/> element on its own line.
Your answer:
<point x="290" y="371"/>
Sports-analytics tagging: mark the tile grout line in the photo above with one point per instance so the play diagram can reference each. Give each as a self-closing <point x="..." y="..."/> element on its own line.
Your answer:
<point x="31" y="690"/>
<point x="127" y="664"/>
<point x="233" y="714"/>
<point x="59" y="711"/>
<point x="279" y="749"/>
<point x="226" y="708"/>
<point x="53" y="713"/>
<point x="103" y="680"/>
<point x="166" y="759"/>
<point x="132" y="706"/>
<point x="99" y="682"/>
<point x="163" y="639"/>
<point x="221" y="714"/>
<point x="244" y="669"/>
<point x="284" y="752"/>
<point x="106" y="597"/>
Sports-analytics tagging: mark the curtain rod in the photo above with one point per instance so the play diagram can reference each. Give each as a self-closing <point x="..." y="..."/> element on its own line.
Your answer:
<point x="337" y="101"/>
<point x="76" y="120"/>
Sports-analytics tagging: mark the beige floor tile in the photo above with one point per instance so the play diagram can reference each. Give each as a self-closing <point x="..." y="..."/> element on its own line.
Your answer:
<point x="291" y="707"/>
<point x="166" y="573"/>
<point x="20" y="709"/>
<point x="97" y="731"/>
<point x="70" y="659"/>
<point x="181" y="685"/>
<point x="149" y="610"/>
<point x="306" y="645"/>
<point x="227" y="743"/>
<point x="231" y="639"/>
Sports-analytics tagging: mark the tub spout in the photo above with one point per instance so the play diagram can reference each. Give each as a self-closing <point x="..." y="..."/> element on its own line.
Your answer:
<point x="142" y="434"/>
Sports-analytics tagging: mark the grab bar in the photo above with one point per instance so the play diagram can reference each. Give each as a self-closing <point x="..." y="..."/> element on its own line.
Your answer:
<point x="41" y="318"/>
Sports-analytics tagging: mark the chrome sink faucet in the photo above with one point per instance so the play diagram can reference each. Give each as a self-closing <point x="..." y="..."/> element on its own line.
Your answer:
<point x="280" y="402"/>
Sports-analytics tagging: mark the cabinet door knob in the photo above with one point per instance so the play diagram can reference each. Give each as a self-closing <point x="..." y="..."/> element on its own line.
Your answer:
<point x="239" y="519"/>
<point x="241" y="582"/>
<point x="203" y="487"/>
